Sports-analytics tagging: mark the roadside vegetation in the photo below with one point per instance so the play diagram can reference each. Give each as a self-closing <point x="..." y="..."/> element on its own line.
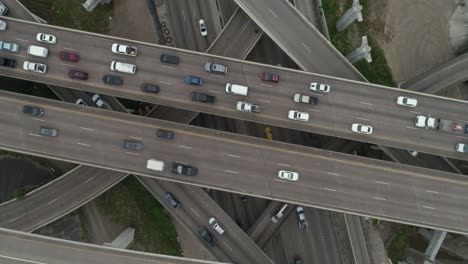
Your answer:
<point x="131" y="205"/>
<point x="71" y="14"/>
<point x="377" y="71"/>
<point x="399" y="244"/>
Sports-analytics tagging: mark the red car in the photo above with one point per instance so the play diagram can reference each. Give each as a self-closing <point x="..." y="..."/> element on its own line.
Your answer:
<point x="69" y="56"/>
<point x="266" y="76"/>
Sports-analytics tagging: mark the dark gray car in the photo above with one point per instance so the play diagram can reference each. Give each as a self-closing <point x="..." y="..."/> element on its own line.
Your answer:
<point x="33" y="110"/>
<point x="166" y="134"/>
<point x="132" y="144"/>
<point x="166" y="58"/>
<point x="206" y="235"/>
<point x="47" y="131"/>
<point x="172" y="200"/>
<point x="151" y="88"/>
<point x="183" y="169"/>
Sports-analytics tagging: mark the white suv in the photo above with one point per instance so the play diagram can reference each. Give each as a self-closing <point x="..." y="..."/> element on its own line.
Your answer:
<point x="298" y="116"/>
<point x="215" y="225"/>
<point x="123" y="67"/>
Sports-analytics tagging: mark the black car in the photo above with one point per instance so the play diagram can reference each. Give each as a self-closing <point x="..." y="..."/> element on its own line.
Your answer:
<point x="112" y="79"/>
<point x="206" y="235"/>
<point x="74" y="74"/>
<point x="166" y="134"/>
<point x="32" y="110"/>
<point x="166" y="58"/>
<point x="47" y="131"/>
<point x="7" y="62"/>
<point x="202" y="97"/>
<point x="182" y="169"/>
<point x="151" y="88"/>
<point x="133" y="145"/>
<point x="172" y="200"/>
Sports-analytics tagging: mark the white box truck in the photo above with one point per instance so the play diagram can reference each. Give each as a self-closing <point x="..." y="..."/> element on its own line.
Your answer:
<point x="154" y="164"/>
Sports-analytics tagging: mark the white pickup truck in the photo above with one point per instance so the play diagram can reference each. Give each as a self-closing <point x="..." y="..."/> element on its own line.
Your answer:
<point x="304" y="99"/>
<point x="248" y="107"/>
<point x="154" y="164"/>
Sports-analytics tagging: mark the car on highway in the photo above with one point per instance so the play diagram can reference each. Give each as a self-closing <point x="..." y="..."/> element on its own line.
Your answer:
<point x="132" y="144"/>
<point x="215" y="68"/>
<point x="172" y="200"/>
<point x="193" y="80"/>
<point x="202" y="97"/>
<point x="46" y="38"/>
<point x="6" y="62"/>
<point x="207" y="236"/>
<point x="268" y="133"/>
<point x="33" y="110"/>
<point x="124" y="49"/>
<point x="301" y="219"/>
<point x="304" y="99"/>
<point x="406" y="101"/>
<point x="202" y="27"/>
<point x="80" y="101"/>
<point x="172" y="59"/>
<point x="11" y="47"/>
<point x="34" y="67"/>
<point x="215" y="225"/>
<point x="68" y="56"/>
<point x="150" y="88"/>
<point x="413" y="153"/>
<point x="271" y="77"/>
<point x="3" y="9"/>
<point x="288" y="175"/>
<point x="298" y="116"/>
<point x="47" y="131"/>
<point x="112" y="79"/>
<point x="462" y="148"/>
<point x="276" y="217"/>
<point x="3" y="25"/>
<point x="75" y="74"/>
<point x="182" y="169"/>
<point x="319" y="87"/>
<point x="362" y="129"/>
<point x="162" y="133"/>
<point x="99" y="101"/>
<point x="123" y="67"/>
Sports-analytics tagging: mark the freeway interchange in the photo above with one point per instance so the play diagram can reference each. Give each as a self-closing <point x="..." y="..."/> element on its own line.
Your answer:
<point x="348" y="102"/>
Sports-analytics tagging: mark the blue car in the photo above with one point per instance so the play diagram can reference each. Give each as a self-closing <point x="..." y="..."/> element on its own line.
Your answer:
<point x="189" y="79"/>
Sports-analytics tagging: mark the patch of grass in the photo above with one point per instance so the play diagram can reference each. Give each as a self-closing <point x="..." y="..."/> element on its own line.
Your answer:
<point x="20" y="193"/>
<point x="131" y="205"/>
<point x="399" y="243"/>
<point x="84" y="225"/>
<point x="71" y="14"/>
<point x="38" y="161"/>
<point x="377" y="71"/>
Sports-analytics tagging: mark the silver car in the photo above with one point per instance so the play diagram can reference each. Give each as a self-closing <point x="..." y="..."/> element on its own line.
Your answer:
<point x="47" y="131"/>
<point x="215" y="68"/>
<point x="11" y="47"/>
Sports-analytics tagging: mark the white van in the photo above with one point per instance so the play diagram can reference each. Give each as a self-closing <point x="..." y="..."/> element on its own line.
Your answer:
<point x="154" y="164"/>
<point x="236" y="89"/>
<point x="123" y="67"/>
<point x="38" y="51"/>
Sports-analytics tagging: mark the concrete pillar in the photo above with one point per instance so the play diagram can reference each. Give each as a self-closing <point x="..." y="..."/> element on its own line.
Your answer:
<point x="89" y="5"/>
<point x="435" y="244"/>
<point x="363" y="52"/>
<point x="354" y="13"/>
<point x="123" y="240"/>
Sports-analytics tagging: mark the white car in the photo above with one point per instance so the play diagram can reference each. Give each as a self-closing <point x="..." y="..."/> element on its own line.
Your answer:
<point x="288" y="175"/>
<point x="35" y="67"/>
<point x="80" y="101"/>
<point x="362" y="129"/>
<point x="3" y="25"/>
<point x="406" y="101"/>
<point x="202" y="26"/>
<point x="461" y="147"/>
<point x="215" y="225"/>
<point x="3" y="9"/>
<point x="413" y="153"/>
<point x="124" y="49"/>
<point x="320" y="87"/>
<point x="99" y="101"/>
<point x="298" y="116"/>
<point x="42" y="37"/>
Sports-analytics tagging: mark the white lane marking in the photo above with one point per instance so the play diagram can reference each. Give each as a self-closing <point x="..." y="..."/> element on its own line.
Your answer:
<point x="230" y="171"/>
<point x="281" y="164"/>
<point x="186" y="147"/>
<point x="195" y="212"/>
<point x="38" y="119"/>
<point x="328" y="189"/>
<point x="379" y="198"/>
<point x="131" y="153"/>
<point x="22" y="56"/>
<point x="264" y="101"/>
<point x="165" y="82"/>
<point x="83" y="144"/>
<point x="217" y="75"/>
<point x="414" y="112"/>
<point x="183" y="15"/>
<point x="273" y="13"/>
<point x="66" y="64"/>
<point x="463" y="121"/>
<point x="364" y="103"/>
<point x="245" y="26"/>
<point x="213" y="91"/>
<point x="227" y="246"/>
<point x="118" y="58"/>
<point x="85" y="128"/>
<point x="360" y="118"/>
<point x="380" y="182"/>
<point x="278" y="180"/>
<point x="315" y="110"/>
<point x="90" y="179"/>
<point x="35" y="135"/>
<point x="25" y="40"/>
<point x="137" y="138"/>
<point x="431" y="191"/>
<point x="169" y="67"/>
<point x="70" y="49"/>
<point x="428" y="207"/>
<point x="53" y="201"/>
<point x="22" y="260"/>
<point x="234" y="156"/>
<point x="269" y="85"/>
<point x="11" y="220"/>
<point x="305" y="46"/>
<point x="411" y="128"/>
<point x="335" y="174"/>
<point x="461" y="137"/>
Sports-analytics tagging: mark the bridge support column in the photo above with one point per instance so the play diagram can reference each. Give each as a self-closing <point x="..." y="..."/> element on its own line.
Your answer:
<point x="435" y="244"/>
<point x="123" y="240"/>
<point x="89" y="5"/>
<point x="363" y="52"/>
<point x="354" y="13"/>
